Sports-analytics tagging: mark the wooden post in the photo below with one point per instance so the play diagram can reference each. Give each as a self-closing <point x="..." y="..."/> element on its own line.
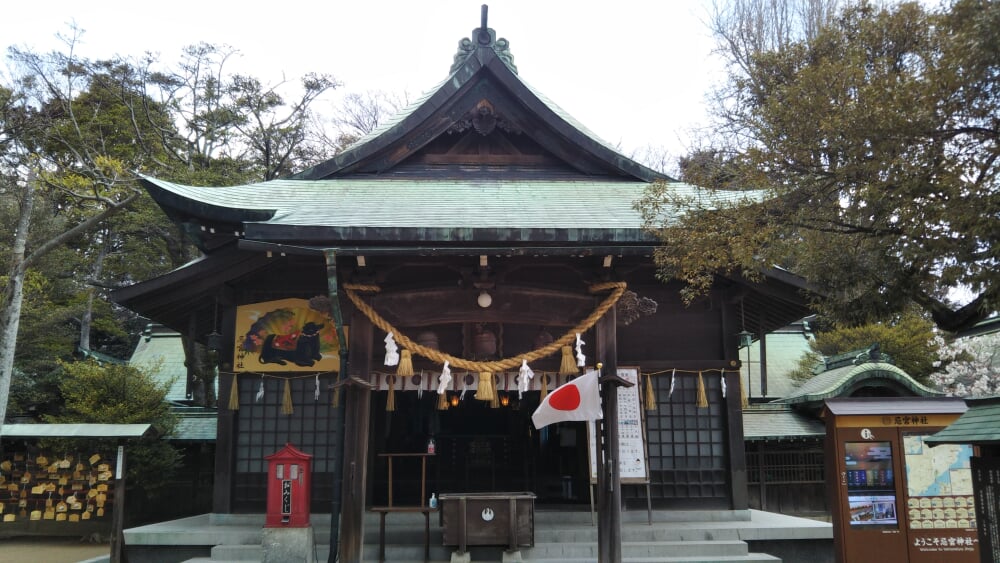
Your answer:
<point x="225" y="434"/>
<point x="737" y="447"/>
<point x="339" y="420"/>
<point x="357" y="411"/>
<point x="733" y="408"/>
<point x="609" y="497"/>
<point x="118" y="516"/>
<point x="762" y="359"/>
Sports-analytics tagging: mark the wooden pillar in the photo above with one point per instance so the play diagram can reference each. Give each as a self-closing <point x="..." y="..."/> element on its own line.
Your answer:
<point x="224" y="455"/>
<point x="762" y="473"/>
<point x="733" y="409"/>
<point x="762" y="359"/>
<point x="357" y="407"/>
<point x="609" y="496"/>
<point x="737" y="451"/>
<point x="118" y="554"/>
<point x="225" y="435"/>
<point x="330" y="256"/>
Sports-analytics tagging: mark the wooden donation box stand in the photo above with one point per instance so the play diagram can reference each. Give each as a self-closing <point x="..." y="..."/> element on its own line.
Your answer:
<point x="895" y="498"/>
<point x="506" y="519"/>
<point x="287" y="535"/>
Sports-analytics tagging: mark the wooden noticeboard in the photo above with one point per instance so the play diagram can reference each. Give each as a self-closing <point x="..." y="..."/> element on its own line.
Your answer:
<point x="986" y="482"/>
<point x="632" y="457"/>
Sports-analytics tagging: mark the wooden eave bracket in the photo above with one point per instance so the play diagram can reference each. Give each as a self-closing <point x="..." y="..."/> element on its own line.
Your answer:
<point x="616" y="380"/>
<point x="353" y="381"/>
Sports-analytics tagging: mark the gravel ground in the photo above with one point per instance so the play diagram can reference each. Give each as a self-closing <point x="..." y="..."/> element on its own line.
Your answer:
<point x="49" y="550"/>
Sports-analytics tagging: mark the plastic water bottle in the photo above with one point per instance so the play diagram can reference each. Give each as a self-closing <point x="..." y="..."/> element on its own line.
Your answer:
<point x="434" y="501"/>
<point x="430" y="446"/>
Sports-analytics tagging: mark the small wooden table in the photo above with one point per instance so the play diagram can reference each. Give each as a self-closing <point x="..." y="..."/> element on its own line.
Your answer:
<point x="423" y="508"/>
<point x="383" y="510"/>
<point x="423" y="474"/>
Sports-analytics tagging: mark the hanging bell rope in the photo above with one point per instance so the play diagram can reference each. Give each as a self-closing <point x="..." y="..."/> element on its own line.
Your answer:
<point x="390" y="400"/>
<point x="335" y="400"/>
<point x="486" y="391"/>
<point x="702" y="399"/>
<point x="234" y="396"/>
<point x="405" y="368"/>
<point x="442" y="404"/>
<point x="545" y="386"/>
<point x="286" y="399"/>
<point x="616" y="288"/>
<point x="568" y="365"/>
<point x="650" y="398"/>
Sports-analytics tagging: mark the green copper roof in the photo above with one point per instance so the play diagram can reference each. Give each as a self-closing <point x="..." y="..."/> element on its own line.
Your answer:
<point x="779" y="422"/>
<point x="979" y="425"/>
<point x="442" y="211"/>
<point x="838" y="382"/>
<point x="162" y="351"/>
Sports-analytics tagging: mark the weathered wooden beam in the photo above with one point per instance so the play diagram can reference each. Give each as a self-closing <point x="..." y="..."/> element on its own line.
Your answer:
<point x="357" y="412"/>
<point x="338" y="422"/>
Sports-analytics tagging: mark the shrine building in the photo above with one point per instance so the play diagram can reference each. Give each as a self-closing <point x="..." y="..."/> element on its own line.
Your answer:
<point x="484" y="227"/>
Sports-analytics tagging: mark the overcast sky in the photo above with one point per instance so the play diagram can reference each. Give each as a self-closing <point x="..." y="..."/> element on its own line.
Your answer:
<point x="633" y="71"/>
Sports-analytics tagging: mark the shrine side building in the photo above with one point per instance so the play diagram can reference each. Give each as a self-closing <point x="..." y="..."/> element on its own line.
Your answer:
<point x="484" y="227"/>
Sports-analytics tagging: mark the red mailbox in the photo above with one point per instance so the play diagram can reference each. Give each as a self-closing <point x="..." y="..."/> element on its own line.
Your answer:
<point x="289" y="484"/>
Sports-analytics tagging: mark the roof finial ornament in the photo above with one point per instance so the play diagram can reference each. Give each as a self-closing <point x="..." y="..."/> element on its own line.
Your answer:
<point x="483" y="27"/>
<point x="483" y="36"/>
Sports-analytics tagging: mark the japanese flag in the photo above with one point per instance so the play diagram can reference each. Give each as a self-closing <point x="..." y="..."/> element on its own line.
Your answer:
<point x="579" y="399"/>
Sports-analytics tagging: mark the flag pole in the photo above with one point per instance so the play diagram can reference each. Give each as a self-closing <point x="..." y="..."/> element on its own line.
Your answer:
<point x="612" y="466"/>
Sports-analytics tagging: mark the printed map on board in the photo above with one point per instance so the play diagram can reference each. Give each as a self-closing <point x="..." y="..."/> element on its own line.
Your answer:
<point x="943" y="470"/>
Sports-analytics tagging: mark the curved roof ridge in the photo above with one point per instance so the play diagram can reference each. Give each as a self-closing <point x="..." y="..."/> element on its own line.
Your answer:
<point x="834" y="382"/>
<point x="475" y="56"/>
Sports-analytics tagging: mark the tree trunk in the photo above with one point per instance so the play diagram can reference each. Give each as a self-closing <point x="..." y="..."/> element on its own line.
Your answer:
<point x="87" y="318"/>
<point x="10" y="315"/>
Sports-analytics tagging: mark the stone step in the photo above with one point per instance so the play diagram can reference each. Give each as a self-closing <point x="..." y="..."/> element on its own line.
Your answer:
<point x="749" y="558"/>
<point x="579" y="550"/>
<point x="653" y="552"/>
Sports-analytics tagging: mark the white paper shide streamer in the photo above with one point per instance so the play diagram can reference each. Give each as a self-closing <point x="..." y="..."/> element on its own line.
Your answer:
<point x="524" y="377"/>
<point x="316" y="393"/>
<point x="673" y="375"/>
<point x="391" y="350"/>
<point x="260" y="391"/>
<point x="581" y="360"/>
<point x="444" y="382"/>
